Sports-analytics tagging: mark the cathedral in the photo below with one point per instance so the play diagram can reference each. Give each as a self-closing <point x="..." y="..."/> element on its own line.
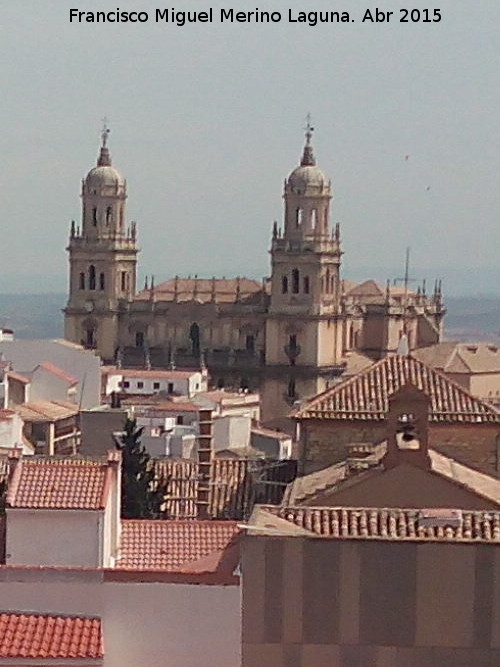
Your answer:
<point x="289" y="336"/>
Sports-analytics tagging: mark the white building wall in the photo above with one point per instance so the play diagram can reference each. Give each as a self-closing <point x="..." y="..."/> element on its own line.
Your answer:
<point x="67" y="538"/>
<point x="172" y="625"/>
<point x="46" y="386"/>
<point x="82" y="364"/>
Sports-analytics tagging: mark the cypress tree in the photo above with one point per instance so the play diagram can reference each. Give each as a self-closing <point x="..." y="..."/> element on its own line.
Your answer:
<point x="142" y="494"/>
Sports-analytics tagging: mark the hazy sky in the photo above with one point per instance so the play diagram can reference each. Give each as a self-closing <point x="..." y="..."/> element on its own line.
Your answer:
<point x="207" y="121"/>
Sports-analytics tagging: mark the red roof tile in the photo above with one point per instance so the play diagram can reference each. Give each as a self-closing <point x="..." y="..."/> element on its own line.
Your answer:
<point x="44" y="483"/>
<point x="172" y="545"/>
<point x="365" y="395"/>
<point x="202" y="290"/>
<point x="31" y="635"/>
<point x="393" y="524"/>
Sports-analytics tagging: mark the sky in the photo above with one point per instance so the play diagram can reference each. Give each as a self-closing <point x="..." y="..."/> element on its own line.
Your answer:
<point x="207" y="121"/>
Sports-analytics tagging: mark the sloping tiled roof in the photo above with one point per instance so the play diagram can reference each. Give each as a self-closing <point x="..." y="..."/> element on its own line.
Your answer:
<point x="150" y="374"/>
<point x="202" y="290"/>
<point x="47" y="411"/>
<point x="172" y="545"/>
<point x="45" y="483"/>
<point x="462" y="357"/>
<point x="393" y="524"/>
<point x="58" y="372"/>
<point x="235" y="485"/>
<point x="365" y="395"/>
<point x="31" y="635"/>
<point x="352" y="471"/>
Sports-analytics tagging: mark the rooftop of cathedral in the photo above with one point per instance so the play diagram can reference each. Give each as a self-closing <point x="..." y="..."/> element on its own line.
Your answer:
<point x="203" y="290"/>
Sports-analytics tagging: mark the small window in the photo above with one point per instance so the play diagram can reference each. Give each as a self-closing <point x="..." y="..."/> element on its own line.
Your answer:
<point x="139" y="339"/>
<point x="250" y="343"/>
<point x="101" y="281"/>
<point x="179" y="420"/>
<point x="291" y="388"/>
<point x="306" y="284"/>
<point x="124" y="280"/>
<point x="284" y="285"/>
<point x="82" y="281"/>
<point x="295" y="281"/>
<point x="156" y="385"/>
<point x="170" y="387"/>
<point x="94" y="216"/>
<point x="108" y="215"/>
<point x="140" y="385"/>
<point x="126" y="384"/>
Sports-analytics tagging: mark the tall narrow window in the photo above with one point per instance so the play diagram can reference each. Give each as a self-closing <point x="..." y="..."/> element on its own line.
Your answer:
<point x="284" y="285"/>
<point x="82" y="280"/>
<point x="295" y="281"/>
<point x="124" y="281"/>
<point x="108" y="215"/>
<point x="90" y="338"/>
<point x="327" y="281"/>
<point x="291" y="388"/>
<point x="297" y="217"/>
<point x="94" y="216"/>
<point x="306" y="284"/>
<point x="101" y="281"/>
<point x="92" y="277"/>
<point x="250" y="343"/>
<point x="139" y="339"/>
<point x="314" y="219"/>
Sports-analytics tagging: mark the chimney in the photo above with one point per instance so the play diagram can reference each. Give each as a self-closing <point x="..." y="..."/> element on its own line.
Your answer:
<point x="408" y="428"/>
<point x="112" y="490"/>
<point x="205" y="456"/>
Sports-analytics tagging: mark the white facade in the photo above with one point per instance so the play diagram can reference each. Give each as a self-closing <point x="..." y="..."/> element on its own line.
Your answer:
<point x="157" y="623"/>
<point x="136" y="382"/>
<point x="11" y="432"/>
<point x="82" y="364"/>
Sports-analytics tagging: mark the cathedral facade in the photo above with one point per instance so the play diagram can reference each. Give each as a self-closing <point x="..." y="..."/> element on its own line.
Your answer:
<point x="288" y="336"/>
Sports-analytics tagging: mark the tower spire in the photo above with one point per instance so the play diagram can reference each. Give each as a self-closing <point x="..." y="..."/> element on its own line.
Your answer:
<point x="308" y="159"/>
<point x="104" y="159"/>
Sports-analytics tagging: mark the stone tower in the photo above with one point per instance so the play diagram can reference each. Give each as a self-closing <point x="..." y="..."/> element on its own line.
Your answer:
<point x="102" y="259"/>
<point x="304" y="322"/>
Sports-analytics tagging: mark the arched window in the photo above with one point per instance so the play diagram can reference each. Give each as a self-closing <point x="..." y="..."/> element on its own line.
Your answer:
<point x="295" y="281"/>
<point x="94" y="216"/>
<point x="284" y="285"/>
<point x="101" y="281"/>
<point x="194" y="336"/>
<point x="306" y="284"/>
<point x="108" y="215"/>
<point x="92" y="277"/>
<point x="82" y="280"/>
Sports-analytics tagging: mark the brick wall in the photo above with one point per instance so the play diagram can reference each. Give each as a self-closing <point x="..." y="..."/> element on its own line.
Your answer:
<point x="324" y="442"/>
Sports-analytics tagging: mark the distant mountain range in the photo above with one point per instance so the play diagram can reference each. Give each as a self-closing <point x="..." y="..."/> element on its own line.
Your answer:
<point x="40" y="316"/>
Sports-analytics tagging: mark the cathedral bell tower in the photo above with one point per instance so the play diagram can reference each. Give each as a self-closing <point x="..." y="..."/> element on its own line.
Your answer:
<point x="304" y="324"/>
<point x="102" y="259"/>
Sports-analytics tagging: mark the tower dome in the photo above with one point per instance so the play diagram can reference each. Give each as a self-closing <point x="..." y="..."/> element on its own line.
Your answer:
<point x="308" y="178"/>
<point x="104" y="175"/>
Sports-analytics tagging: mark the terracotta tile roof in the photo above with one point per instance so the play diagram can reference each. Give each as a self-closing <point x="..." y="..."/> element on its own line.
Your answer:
<point x="202" y="290"/>
<point x="393" y="524"/>
<point x="461" y="357"/>
<point x="160" y="402"/>
<point x="31" y="635"/>
<point x="46" y="411"/>
<point x="172" y="545"/>
<point x="235" y="485"/>
<point x="6" y="415"/>
<point x="58" y="372"/>
<point x="17" y="376"/>
<point x="365" y="395"/>
<point x="51" y="483"/>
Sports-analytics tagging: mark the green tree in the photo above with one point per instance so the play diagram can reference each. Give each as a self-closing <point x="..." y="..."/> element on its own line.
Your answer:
<point x="142" y="493"/>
